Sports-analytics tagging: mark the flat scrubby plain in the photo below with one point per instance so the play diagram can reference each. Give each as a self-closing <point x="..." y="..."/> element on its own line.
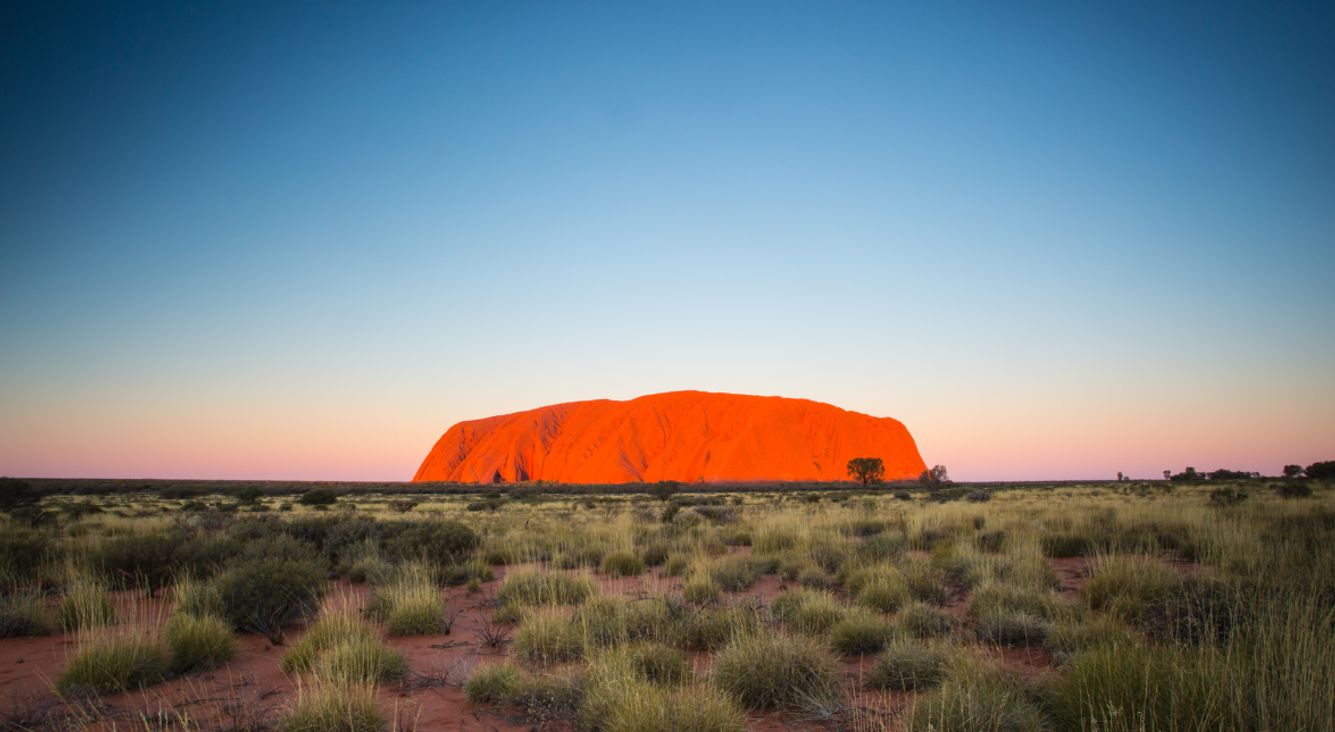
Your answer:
<point x="1116" y="607"/>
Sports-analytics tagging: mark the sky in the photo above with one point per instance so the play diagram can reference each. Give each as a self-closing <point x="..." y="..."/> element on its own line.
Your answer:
<point x="300" y="240"/>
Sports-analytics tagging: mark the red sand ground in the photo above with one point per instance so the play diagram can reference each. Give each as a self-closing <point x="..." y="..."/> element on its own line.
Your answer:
<point x="683" y="436"/>
<point x="253" y="689"/>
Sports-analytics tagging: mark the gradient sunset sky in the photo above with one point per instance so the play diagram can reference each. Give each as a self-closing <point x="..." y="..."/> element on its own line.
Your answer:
<point x="300" y="240"/>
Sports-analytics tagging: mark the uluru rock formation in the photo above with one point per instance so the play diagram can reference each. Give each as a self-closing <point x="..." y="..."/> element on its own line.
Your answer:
<point x="682" y="436"/>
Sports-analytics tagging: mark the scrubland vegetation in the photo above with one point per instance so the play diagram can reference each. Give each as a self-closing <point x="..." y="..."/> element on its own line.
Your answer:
<point x="1129" y="606"/>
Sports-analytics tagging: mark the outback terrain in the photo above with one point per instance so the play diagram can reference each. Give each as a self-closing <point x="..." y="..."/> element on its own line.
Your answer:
<point x="1121" y="606"/>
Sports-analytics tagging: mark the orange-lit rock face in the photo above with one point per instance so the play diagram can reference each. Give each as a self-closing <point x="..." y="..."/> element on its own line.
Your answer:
<point x="684" y="436"/>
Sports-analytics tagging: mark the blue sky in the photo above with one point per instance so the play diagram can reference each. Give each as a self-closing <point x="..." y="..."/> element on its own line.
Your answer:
<point x="300" y="240"/>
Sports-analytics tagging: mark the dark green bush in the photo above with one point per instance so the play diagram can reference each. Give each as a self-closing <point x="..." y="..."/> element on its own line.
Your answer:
<point x="24" y="615"/>
<point x="266" y="596"/>
<point x="318" y="497"/>
<point x="441" y="542"/>
<point x="139" y="560"/>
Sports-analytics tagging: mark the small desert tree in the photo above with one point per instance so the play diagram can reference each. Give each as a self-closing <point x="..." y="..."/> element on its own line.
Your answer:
<point x="248" y="493"/>
<point x="1293" y="471"/>
<point x="866" y="470"/>
<point x="1324" y="470"/>
<point x="664" y="489"/>
<point x="16" y="494"/>
<point x="934" y="477"/>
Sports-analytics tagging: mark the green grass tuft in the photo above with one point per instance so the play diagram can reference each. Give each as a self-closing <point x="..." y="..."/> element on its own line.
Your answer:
<point x="334" y="708"/>
<point x="198" y="644"/>
<point x="908" y="666"/>
<point x="622" y="564"/>
<point x="113" y="664"/>
<point x="777" y="671"/>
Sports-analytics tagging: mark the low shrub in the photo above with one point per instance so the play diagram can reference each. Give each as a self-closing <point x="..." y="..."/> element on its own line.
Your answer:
<point x="1293" y="489"/>
<point x="438" y="542"/>
<point x="113" y="664"/>
<point x="991" y="542"/>
<point x="139" y="560"/>
<point x="318" y="497"/>
<point x="198" y="643"/>
<point x="777" y="671"/>
<point x="655" y="554"/>
<point x="908" y="666"/>
<point x="24" y="615"/>
<point x="266" y="596"/>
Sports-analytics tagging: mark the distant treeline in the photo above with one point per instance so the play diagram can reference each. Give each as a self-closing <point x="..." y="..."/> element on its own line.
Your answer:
<point x="168" y="488"/>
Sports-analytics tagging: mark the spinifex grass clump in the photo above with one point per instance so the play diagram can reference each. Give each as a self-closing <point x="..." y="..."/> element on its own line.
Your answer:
<point x="410" y="603"/>
<point x="920" y="620"/>
<point x="622" y="564"/>
<point x="712" y="628"/>
<point x="1273" y="672"/>
<point x="701" y="589"/>
<point x="997" y="598"/>
<point x="340" y="646"/>
<point x="882" y="589"/>
<point x="86" y="604"/>
<point x="359" y="660"/>
<point x="531" y="589"/>
<point x="549" y="635"/>
<point x="110" y="662"/>
<point x="334" y="708"/>
<point x="973" y="699"/>
<point x="1129" y="586"/>
<point x="908" y="666"/>
<point x="861" y="632"/>
<point x="809" y="612"/>
<point x="778" y="671"/>
<point x="198" y="643"/>
<point x="1013" y="629"/>
<point x="197" y="597"/>
<point x="616" y="695"/>
<point x="494" y="683"/>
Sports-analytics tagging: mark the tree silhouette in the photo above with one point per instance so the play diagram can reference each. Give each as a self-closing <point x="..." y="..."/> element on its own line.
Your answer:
<point x="867" y="470"/>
